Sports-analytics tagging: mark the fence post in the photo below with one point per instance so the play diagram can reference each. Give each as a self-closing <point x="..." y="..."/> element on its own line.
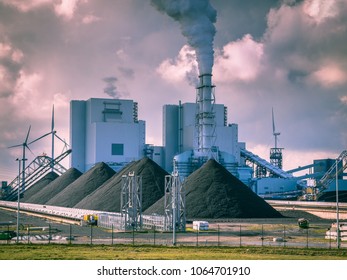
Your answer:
<point x="8" y="230"/>
<point x="197" y="237"/>
<point x="91" y="234"/>
<point x="70" y="234"/>
<point x="262" y="235"/>
<point x="112" y="235"/>
<point x="329" y="238"/>
<point x="284" y="236"/>
<point x="133" y="225"/>
<point x="28" y="234"/>
<point x="307" y="238"/>
<point x="240" y="235"/>
<point x="153" y="234"/>
<point x="49" y="234"/>
<point x="218" y="236"/>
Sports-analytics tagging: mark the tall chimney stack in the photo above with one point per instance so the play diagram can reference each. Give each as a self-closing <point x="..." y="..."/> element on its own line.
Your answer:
<point x="205" y="115"/>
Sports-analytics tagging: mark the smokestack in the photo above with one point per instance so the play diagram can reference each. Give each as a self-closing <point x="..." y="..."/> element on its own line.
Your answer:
<point x="205" y="115"/>
<point x="197" y="18"/>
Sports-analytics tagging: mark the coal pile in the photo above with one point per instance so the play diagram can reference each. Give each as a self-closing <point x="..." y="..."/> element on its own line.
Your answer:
<point x="214" y="193"/>
<point x="56" y="186"/>
<point x="108" y="196"/>
<point x="83" y="186"/>
<point x="39" y="185"/>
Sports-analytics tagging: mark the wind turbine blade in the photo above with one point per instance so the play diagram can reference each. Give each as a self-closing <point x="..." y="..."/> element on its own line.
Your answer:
<point x="29" y="149"/>
<point x="61" y="139"/>
<point x="273" y="122"/>
<point x="14" y="146"/>
<point x="52" y="126"/>
<point x="40" y="138"/>
<point x="26" y="139"/>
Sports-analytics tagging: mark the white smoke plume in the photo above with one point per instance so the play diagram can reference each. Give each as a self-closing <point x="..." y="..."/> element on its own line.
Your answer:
<point x="196" y="18"/>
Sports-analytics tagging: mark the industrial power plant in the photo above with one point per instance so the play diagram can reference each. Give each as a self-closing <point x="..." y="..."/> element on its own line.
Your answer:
<point x="202" y="171"/>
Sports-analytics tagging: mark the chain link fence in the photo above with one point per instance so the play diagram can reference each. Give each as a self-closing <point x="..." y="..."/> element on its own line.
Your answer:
<point x="218" y="234"/>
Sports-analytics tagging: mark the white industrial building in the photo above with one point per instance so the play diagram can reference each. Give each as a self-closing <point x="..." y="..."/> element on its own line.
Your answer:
<point x="180" y="134"/>
<point x="105" y="130"/>
<point x="108" y="130"/>
<point x="196" y="132"/>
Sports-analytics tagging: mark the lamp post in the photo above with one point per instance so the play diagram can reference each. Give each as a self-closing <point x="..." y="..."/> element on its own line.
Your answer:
<point x="337" y="210"/>
<point x="18" y="206"/>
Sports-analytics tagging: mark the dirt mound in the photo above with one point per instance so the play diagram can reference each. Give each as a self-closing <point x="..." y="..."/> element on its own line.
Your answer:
<point x="213" y="193"/>
<point x="84" y="185"/>
<point x="39" y="185"/>
<point x="53" y="188"/>
<point x="107" y="197"/>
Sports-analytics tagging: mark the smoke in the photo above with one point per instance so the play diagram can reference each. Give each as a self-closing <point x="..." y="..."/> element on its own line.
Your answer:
<point x="111" y="88"/>
<point x="192" y="77"/>
<point x="196" y="18"/>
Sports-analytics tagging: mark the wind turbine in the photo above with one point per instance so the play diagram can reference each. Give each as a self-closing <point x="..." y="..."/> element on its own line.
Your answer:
<point x="25" y="146"/>
<point x="276" y="134"/>
<point x="54" y="134"/>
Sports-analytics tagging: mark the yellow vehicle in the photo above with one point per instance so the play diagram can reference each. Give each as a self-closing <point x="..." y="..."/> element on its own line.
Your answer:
<point x="90" y="219"/>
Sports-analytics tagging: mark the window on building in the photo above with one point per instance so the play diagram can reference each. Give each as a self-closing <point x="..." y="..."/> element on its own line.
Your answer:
<point x="112" y="111"/>
<point x="117" y="149"/>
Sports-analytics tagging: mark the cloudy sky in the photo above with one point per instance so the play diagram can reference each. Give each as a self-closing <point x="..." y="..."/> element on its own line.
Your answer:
<point x="287" y="55"/>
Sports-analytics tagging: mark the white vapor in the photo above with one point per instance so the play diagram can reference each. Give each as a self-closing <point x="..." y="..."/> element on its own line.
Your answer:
<point x="197" y="18"/>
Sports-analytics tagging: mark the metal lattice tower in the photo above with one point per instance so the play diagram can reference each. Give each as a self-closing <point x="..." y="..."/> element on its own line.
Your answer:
<point x="131" y="201"/>
<point x="276" y="157"/>
<point x="175" y="215"/>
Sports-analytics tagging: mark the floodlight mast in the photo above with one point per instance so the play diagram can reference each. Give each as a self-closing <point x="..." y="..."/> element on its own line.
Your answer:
<point x="18" y="198"/>
<point x="337" y="209"/>
<point x="24" y="145"/>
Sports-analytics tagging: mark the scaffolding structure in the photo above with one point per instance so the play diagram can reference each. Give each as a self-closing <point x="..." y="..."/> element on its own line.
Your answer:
<point x="175" y="214"/>
<point x="131" y="201"/>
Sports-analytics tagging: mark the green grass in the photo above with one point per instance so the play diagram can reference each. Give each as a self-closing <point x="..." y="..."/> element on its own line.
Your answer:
<point x="128" y="252"/>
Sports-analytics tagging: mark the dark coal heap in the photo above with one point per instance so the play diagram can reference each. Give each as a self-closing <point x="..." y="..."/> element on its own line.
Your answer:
<point x="108" y="196"/>
<point x="38" y="186"/>
<point x="212" y="192"/>
<point x="56" y="186"/>
<point x="83" y="186"/>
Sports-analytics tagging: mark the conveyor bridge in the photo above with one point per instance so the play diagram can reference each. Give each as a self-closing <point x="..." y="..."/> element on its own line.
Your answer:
<point x="336" y="168"/>
<point x="35" y="171"/>
<point x="274" y="170"/>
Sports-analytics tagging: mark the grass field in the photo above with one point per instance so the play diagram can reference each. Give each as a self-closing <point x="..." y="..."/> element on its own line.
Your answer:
<point x="128" y="252"/>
